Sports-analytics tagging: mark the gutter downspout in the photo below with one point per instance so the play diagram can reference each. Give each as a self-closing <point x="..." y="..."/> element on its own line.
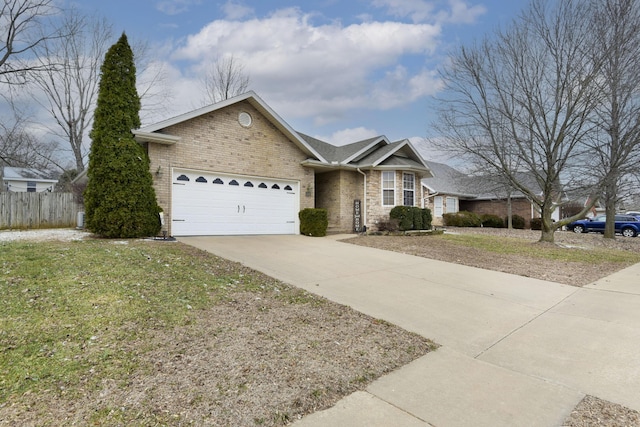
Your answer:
<point x="428" y="197"/>
<point x="364" y="200"/>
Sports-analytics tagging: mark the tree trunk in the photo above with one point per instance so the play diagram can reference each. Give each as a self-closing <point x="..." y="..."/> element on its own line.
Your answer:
<point x="610" y="209"/>
<point x="509" y="212"/>
<point x="548" y="227"/>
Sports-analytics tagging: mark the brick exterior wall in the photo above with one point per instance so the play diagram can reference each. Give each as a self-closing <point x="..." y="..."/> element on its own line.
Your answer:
<point x="335" y="192"/>
<point x="520" y="207"/>
<point x="376" y="212"/>
<point x="216" y="142"/>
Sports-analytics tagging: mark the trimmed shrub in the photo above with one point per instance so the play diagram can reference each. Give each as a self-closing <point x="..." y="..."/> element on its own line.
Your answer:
<point x="313" y="222"/>
<point x="417" y="219"/>
<point x="404" y="216"/>
<point x="492" y="221"/>
<point x="410" y="218"/>
<point x="426" y="219"/>
<point x="516" y="221"/>
<point x="536" y="223"/>
<point x="462" y="219"/>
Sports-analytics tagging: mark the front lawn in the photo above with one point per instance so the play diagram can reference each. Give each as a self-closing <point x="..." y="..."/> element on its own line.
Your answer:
<point x="133" y="332"/>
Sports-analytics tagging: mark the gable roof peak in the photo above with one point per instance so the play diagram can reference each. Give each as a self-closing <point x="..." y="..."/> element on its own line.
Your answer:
<point x="257" y="103"/>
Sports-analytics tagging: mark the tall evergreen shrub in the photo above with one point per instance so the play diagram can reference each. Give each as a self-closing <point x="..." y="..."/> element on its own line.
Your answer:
<point x="119" y="199"/>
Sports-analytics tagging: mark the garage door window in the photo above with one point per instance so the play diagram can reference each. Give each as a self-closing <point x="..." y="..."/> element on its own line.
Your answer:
<point x="218" y="181"/>
<point x="275" y="186"/>
<point x="182" y="178"/>
<point x="248" y="184"/>
<point x="233" y="182"/>
<point x="288" y="188"/>
<point x="201" y="179"/>
<point x="263" y="185"/>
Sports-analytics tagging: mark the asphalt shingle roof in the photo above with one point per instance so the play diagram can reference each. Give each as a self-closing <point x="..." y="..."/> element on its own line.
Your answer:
<point x="447" y="180"/>
<point x="333" y="153"/>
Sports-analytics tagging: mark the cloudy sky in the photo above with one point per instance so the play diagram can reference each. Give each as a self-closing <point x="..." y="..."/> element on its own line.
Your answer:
<point x="338" y="70"/>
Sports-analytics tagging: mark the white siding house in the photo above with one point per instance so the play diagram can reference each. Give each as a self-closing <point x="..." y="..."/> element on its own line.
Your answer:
<point x="26" y="180"/>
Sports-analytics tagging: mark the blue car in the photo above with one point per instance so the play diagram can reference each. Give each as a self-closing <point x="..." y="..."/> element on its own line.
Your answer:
<point x="627" y="225"/>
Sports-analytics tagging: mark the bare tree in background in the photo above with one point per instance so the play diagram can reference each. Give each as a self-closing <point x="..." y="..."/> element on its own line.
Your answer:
<point x="20" y="148"/>
<point x="521" y="102"/>
<point x="224" y="79"/>
<point x="152" y="82"/>
<point x="616" y="24"/>
<point x="23" y="27"/>
<point x="72" y="73"/>
<point x="70" y="84"/>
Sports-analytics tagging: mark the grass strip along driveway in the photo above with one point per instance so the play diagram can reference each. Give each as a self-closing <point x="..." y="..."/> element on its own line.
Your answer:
<point x="135" y="332"/>
<point x="575" y="259"/>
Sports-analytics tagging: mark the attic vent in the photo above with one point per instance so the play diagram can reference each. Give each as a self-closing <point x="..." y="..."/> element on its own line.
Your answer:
<point x="245" y="119"/>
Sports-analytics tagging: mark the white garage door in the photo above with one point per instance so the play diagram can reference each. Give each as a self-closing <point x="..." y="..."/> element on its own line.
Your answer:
<point x="206" y="204"/>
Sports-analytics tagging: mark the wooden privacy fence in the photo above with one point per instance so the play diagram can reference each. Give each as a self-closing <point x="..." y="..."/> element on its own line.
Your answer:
<point x="37" y="210"/>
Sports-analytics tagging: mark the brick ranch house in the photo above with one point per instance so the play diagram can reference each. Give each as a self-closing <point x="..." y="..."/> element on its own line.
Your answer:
<point x="236" y="167"/>
<point x="449" y="190"/>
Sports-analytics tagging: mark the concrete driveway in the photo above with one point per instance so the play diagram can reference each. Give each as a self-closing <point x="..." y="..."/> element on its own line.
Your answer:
<point x="515" y="350"/>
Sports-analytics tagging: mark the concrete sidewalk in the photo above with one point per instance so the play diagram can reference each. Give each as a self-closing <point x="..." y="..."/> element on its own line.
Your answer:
<point x="515" y="350"/>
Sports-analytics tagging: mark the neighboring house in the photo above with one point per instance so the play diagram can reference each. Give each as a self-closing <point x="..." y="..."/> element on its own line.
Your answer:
<point x="26" y="180"/>
<point x="445" y="190"/>
<point x="451" y="191"/>
<point x="236" y="167"/>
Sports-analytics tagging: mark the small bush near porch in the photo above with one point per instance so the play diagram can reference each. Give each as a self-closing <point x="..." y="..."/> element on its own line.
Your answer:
<point x="411" y="218"/>
<point x="313" y="222"/>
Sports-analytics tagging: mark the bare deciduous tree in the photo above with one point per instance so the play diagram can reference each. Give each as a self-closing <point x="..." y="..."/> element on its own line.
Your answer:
<point x="616" y="24"/>
<point x="224" y="79"/>
<point x="152" y="83"/>
<point x="20" y="148"/>
<point x="70" y="80"/>
<point x="521" y="102"/>
<point x="23" y="27"/>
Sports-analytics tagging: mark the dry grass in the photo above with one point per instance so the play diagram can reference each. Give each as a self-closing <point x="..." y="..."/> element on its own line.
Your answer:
<point x="575" y="259"/>
<point x="104" y="332"/>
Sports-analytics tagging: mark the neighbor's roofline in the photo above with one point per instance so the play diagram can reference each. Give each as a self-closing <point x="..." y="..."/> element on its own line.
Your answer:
<point x="22" y="179"/>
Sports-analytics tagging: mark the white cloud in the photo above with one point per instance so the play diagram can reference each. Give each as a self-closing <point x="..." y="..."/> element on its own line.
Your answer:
<point x="175" y="7"/>
<point x="462" y="13"/>
<point x="348" y="136"/>
<point x="416" y="10"/>
<point x="399" y="88"/>
<point x="320" y="71"/>
<point x="458" y="11"/>
<point x="235" y="11"/>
